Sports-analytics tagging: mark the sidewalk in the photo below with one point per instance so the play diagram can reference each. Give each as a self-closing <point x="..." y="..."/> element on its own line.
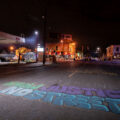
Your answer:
<point x="10" y="63"/>
<point x="24" y="64"/>
<point x="37" y="64"/>
<point x="115" y="63"/>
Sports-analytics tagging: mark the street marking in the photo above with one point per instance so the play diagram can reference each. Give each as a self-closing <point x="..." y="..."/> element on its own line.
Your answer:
<point x="90" y="72"/>
<point x="110" y="73"/>
<point x="72" y="74"/>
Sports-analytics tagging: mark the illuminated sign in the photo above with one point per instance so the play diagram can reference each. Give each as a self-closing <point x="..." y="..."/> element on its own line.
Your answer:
<point x="39" y="49"/>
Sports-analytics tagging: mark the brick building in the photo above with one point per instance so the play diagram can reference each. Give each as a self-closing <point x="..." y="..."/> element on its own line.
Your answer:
<point x="113" y="51"/>
<point x="66" y="47"/>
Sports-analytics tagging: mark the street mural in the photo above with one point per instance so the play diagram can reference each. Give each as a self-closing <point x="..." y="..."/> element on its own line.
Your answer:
<point x="71" y="96"/>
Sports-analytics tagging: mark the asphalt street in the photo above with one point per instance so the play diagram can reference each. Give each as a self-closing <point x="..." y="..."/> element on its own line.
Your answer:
<point x="62" y="91"/>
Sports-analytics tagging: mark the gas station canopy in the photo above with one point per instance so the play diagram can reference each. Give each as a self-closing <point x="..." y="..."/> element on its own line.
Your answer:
<point x="6" y="38"/>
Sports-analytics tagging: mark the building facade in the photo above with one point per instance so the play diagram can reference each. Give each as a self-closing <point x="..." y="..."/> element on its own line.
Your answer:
<point x="66" y="47"/>
<point x="113" y="52"/>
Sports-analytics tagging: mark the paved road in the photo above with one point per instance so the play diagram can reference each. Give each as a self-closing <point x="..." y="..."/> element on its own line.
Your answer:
<point x="63" y="91"/>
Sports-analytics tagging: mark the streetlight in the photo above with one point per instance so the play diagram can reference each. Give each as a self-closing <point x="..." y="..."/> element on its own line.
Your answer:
<point x="22" y="39"/>
<point x="98" y="49"/>
<point x="12" y="48"/>
<point x="44" y="17"/>
<point x="62" y="42"/>
<point x="36" y="33"/>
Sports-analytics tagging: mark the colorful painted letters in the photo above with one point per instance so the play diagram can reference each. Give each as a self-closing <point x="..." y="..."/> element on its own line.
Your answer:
<point x="105" y="100"/>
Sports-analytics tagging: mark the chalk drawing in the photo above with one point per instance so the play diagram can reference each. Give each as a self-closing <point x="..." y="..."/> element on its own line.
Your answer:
<point x="114" y="105"/>
<point x="82" y="91"/>
<point x="112" y="93"/>
<point x="24" y="85"/>
<point x="16" y="91"/>
<point x="105" y="100"/>
<point x="11" y="90"/>
<point x="36" y="95"/>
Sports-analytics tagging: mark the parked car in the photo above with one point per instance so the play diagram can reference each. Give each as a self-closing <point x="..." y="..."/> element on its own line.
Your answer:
<point x="3" y="59"/>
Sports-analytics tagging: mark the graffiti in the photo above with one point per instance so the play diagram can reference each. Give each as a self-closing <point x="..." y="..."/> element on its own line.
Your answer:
<point x="71" y="96"/>
<point x="24" y="85"/>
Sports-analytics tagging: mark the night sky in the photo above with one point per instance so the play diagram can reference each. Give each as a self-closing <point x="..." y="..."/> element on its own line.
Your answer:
<point x="92" y="23"/>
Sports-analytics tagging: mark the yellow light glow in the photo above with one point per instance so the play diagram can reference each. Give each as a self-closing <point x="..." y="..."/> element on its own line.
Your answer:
<point x="61" y="41"/>
<point x="12" y="48"/>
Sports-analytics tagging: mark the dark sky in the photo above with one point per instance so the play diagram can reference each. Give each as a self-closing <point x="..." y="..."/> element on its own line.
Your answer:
<point x="93" y="23"/>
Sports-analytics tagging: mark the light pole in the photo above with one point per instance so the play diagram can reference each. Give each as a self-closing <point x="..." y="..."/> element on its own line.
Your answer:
<point x="19" y="55"/>
<point x="98" y="51"/>
<point x="44" y="35"/>
<point x="44" y="17"/>
<point x="36" y="34"/>
<point x="62" y="42"/>
<point x="12" y="48"/>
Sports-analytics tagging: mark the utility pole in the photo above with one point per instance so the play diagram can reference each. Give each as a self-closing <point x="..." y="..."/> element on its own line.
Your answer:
<point x="44" y="34"/>
<point x="36" y="34"/>
<point x="19" y="54"/>
<point x="19" y="58"/>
